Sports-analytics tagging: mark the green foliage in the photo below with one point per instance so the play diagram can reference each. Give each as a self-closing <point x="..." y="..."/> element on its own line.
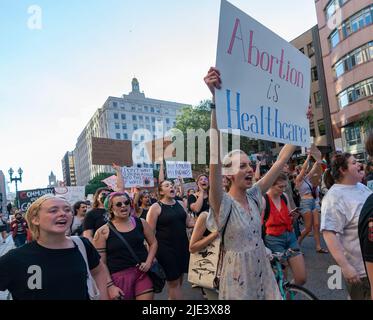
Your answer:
<point x="96" y="183"/>
<point x="199" y="117"/>
<point x="367" y="121"/>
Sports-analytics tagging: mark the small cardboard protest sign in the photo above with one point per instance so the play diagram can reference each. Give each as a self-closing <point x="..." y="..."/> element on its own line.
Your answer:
<point x="160" y="149"/>
<point x="111" y="182"/>
<point x="109" y="151"/>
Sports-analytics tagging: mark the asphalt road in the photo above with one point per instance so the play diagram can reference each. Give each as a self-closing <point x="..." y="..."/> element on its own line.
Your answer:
<point x="317" y="265"/>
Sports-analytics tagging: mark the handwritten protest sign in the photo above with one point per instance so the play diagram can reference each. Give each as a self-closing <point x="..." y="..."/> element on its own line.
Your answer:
<point x="71" y="194"/>
<point x="142" y="177"/>
<point x="177" y="169"/>
<point x="109" y="151"/>
<point x="111" y="182"/>
<point x="265" y="81"/>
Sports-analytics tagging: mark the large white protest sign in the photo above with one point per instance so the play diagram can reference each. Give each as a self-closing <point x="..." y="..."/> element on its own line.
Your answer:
<point x="71" y="194"/>
<point x="176" y="169"/>
<point x="265" y="81"/>
<point x="142" y="177"/>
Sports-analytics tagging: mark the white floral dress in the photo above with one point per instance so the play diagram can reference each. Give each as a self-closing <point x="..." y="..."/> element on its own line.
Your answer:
<point x="246" y="272"/>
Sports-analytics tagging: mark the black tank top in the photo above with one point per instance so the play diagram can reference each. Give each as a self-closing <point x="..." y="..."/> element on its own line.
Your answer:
<point x="144" y="213"/>
<point x="171" y="224"/>
<point x="118" y="257"/>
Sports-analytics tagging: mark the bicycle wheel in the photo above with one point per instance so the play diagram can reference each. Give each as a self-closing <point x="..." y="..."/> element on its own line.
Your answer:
<point x="295" y="292"/>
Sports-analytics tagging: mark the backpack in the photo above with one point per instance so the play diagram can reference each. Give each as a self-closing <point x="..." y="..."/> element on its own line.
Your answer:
<point x="267" y="211"/>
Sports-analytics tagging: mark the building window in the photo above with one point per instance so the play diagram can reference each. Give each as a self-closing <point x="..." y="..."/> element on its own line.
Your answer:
<point x="153" y="119"/>
<point x="125" y="136"/>
<point x="117" y="126"/>
<point x="311" y="49"/>
<point x="147" y="119"/>
<point x="135" y="127"/>
<point x="356" y="92"/>
<point x="133" y="108"/>
<point x="151" y="109"/>
<point x="312" y="129"/>
<point x="312" y="132"/>
<point x="115" y="104"/>
<point x="153" y="127"/>
<point x="358" y="21"/>
<point x="334" y="39"/>
<point x="134" y="117"/>
<point x="356" y="57"/>
<point x="146" y="109"/>
<point x="141" y="118"/>
<point x="123" y="116"/>
<point x="116" y="116"/>
<point x="314" y="75"/>
<point x="321" y="126"/>
<point x="317" y="97"/>
<point x="167" y="121"/>
<point x="117" y="136"/>
<point x="124" y="126"/>
<point x="352" y="135"/>
<point x="158" y="110"/>
<point x="148" y="127"/>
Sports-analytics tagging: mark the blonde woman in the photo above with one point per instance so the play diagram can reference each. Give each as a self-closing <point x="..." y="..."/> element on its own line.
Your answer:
<point x="246" y="271"/>
<point x="51" y="267"/>
<point x="128" y="280"/>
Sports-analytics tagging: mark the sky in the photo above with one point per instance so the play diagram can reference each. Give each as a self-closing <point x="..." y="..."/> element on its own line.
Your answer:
<point x="53" y="79"/>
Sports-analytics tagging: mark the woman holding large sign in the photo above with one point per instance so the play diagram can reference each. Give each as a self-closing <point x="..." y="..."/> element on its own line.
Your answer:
<point x="246" y="271"/>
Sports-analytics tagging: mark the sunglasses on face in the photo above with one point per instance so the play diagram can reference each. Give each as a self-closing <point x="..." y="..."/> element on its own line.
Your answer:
<point x="120" y="204"/>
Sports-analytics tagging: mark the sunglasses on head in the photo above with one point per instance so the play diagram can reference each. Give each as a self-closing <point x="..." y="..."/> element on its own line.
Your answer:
<point x="120" y="204"/>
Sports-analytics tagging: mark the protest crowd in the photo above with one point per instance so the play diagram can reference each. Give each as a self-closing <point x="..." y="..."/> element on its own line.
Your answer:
<point x="223" y="233"/>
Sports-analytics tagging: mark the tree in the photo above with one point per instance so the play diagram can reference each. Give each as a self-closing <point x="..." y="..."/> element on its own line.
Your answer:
<point x="367" y="121"/>
<point x="199" y="117"/>
<point x="96" y="183"/>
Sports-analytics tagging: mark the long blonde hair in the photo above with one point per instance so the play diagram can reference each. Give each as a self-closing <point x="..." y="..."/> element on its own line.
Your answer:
<point x="33" y="211"/>
<point x="228" y="166"/>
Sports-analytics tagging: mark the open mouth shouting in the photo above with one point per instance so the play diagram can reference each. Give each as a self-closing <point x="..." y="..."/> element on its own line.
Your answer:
<point x="61" y="222"/>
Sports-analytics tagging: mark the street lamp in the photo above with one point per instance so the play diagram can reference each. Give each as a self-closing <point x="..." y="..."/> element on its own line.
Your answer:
<point x="16" y="179"/>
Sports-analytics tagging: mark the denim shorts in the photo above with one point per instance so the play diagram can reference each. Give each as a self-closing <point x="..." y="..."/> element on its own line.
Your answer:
<point x="283" y="243"/>
<point x="308" y="205"/>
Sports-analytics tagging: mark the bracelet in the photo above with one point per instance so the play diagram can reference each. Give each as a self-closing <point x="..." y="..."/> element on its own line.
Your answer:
<point x="212" y="105"/>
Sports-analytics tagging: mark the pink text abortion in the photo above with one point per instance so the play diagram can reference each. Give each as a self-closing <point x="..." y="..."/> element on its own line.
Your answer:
<point x="259" y="58"/>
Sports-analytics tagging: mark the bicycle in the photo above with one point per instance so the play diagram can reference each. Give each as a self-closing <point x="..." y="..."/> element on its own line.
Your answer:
<point x="289" y="291"/>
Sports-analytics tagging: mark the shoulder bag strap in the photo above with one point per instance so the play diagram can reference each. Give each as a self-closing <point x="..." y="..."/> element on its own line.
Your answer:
<point x="81" y="248"/>
<point x="134" y="255"/>
<point x="225" y="226"/>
